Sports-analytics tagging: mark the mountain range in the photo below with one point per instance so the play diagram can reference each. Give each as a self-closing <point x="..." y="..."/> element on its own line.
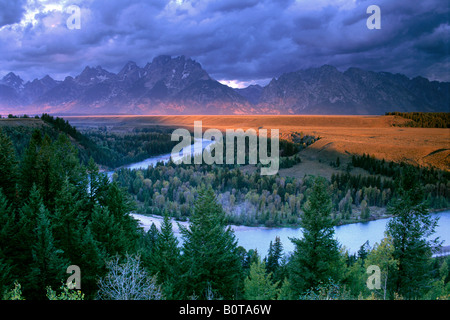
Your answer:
<point x="179" y="85"/>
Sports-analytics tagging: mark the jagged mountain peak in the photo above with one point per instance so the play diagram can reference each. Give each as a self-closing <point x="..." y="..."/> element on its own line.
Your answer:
<point x="130" y="72"/>
<point x="93" y="75"/>
<point x="12" y="80"/>
<point x="179" y="85"/>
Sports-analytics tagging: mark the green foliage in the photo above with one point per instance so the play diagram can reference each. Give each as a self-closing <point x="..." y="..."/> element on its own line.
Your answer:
<point x="15" y="293"/>
<point x="210" y="256"/>
<point x="62" y="211"/>
<point x="106" y="148"/>
<point x="382" y="255"/>
<point x="65" y="294"/>
<point x="274" y="257"/>
<point x="258" y="285"/>
<point x="8" y="167"/>
<point x="116" y="149"/>
<point x="316" y="257"/>
<point x="411" y="228"/>
<point x="326" y="290"/>
<point x="165" y="258"/>
<point x="55" y="216"/>
<point x="435" y="182"/>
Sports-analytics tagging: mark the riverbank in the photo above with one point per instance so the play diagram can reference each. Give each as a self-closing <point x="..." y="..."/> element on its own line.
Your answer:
<point x="377" y="213"/>
<point x="350" y="236"/>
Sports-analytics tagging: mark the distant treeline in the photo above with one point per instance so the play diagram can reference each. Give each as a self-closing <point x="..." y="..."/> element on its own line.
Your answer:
<point x="383" y="181"/>
<point x="424" y="119"/>
<point x="252" y="199"/>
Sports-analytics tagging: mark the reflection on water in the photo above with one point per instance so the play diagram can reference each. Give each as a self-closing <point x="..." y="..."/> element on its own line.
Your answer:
<point x="351" y="236"/>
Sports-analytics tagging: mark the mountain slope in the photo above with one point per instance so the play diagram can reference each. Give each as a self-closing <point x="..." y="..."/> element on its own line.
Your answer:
<point x="181" y="86"/>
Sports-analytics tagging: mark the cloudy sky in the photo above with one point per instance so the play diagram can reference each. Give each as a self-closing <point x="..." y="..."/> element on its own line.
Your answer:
<point x="236" y="41"/>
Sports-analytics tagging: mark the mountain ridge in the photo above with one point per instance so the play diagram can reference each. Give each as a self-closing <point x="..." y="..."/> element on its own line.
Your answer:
<point x="179" y="85"/>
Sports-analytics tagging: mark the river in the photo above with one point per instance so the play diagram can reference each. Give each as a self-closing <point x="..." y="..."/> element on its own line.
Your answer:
<point x="164" y="158"/>
<point x="351" y="236"/>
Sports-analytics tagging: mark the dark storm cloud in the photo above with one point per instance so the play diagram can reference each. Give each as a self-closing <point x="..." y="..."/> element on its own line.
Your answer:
<point x="11" y="11"/>
<point x="233" y="39"/>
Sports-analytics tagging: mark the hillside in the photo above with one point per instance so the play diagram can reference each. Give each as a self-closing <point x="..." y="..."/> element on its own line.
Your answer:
<point x="180" y="86"/>
<point x="108" y="150"/>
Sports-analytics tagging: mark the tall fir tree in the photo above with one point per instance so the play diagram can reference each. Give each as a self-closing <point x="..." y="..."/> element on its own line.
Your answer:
<point x="165" y="258"/>
<point x="210" y="256"/>
<point x="8" y="168"/>
<point x="92" y="262"/>
<point x="259" y="285"/>
<point x="67" y="223"/>
<point x="274" y="255"/>
<point x="316" y="257"/>
<point x="8" y="230"/>
<point x="48" y="266"/>
<point x="28" y="165"/>
<point x="411" y="229"/>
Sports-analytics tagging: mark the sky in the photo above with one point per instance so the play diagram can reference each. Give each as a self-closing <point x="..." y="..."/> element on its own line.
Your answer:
<point x="238" y="42"/>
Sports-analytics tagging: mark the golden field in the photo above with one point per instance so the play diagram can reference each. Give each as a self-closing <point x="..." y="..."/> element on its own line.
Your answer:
<point x="340" y="136"/>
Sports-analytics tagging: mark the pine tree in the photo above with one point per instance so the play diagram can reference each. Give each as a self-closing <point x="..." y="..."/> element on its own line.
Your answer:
<point x="28" y="166"/>
<point x="98" y="184"/>
<point x="25" y="238"/>
<point x="108" y="232"/>
<point x="316" y="258"/>
<point x="66" y="221"/>
<point x="147" y="243"/>
<point x="165" y="257"/>
<point x="8" y="230"/>
<point x="274" y="255"/>
<point x="48" y="266"/>
<point x="410" y="228"/>
<point x="119" y="205"/>
<point x="258" y="285"/>
<point x="285" y="292"/>
<point x="92" y="262"/>
<point x="210" y="256"/>
<point x="8" y="168"/>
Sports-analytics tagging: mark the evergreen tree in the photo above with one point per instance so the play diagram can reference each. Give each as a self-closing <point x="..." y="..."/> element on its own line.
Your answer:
<point x="285" y="292"/>
<point x="164" y="260"/>
<point x="258" y="285"/>
<point x="410" y="228"/>
<point x="92" y="262"/>
<point x="8" y="230"/>
<point x="67" y="224"/>
<point x="119" y="205"/>
<point x="98" y="184"/>
<point x="48" y="266"/>
<point x="210" y="256"/>
<point x="25" y="238"/>
<point x="8" y="168"/>
<point x="108" y="232"/>
<point x="316" y="258"/>
<point x="146" y="244"/>
<point x="274" y="255"/>
<point x="28" y="166"/>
